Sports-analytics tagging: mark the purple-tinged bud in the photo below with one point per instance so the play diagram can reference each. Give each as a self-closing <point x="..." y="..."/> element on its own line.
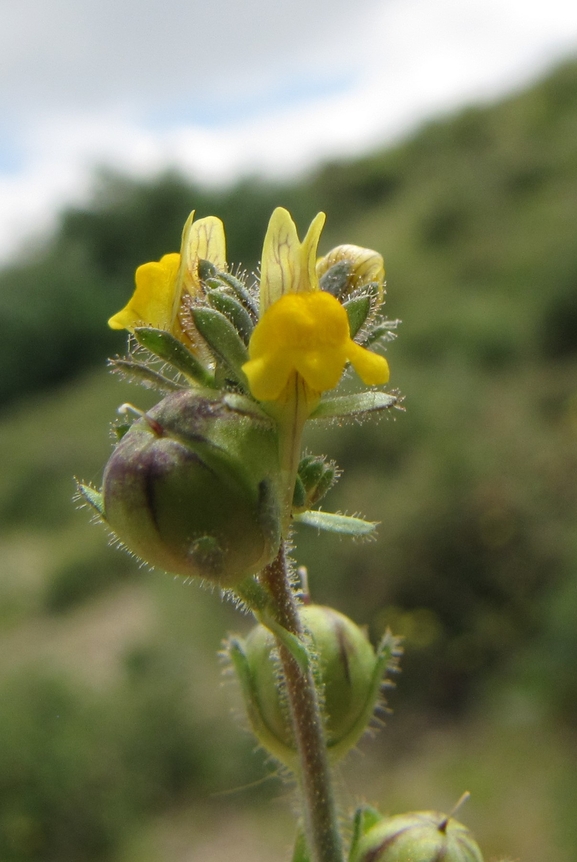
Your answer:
<point x="420" y="836"/>
<point x="191" y="488"/>
<point x="349" y="672"/>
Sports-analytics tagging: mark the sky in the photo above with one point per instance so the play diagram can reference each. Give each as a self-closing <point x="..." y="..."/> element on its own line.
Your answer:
<point x="226" y="88"/>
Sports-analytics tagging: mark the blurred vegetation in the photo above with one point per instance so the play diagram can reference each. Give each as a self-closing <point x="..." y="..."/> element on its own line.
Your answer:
<point x="110" y="712"/>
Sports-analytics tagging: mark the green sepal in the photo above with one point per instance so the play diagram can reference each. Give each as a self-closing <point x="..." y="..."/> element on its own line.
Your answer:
<point x="326" y="482"/>
<point x="138" y="372"/>
<point x="164" y="345"/>
<point x="299" y="495"/>
<point x="358" y="309"/>
<point x="93" y="497"/>
<point x="234" y="311"/>
<point x="337" y="279"/>
<point x="333" y="523"/>
<point x="387" y="653"/>
<point x="362" y="403"/>
<point x="290" y="641"/>
<point x="206" y="269"/>
<point x="365" y="818"/>
<point x="241" y="292"/>
<point x="311" y="469"/>
<point x="223" y="340"/>
<point x="301" y="853"/>
<point x="236" y="650"/>
<point x="315" y="477"/>
<point x="383" y="331"/>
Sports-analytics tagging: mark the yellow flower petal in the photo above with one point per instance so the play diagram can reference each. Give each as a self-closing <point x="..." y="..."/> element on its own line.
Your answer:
<point x="371" y="368"/>
<point x="367" y="265"/>
<point x="268" y="375"/>
<point x="159" y="285"/>
<point x="151" y="302"/>
<point x="309" y="253"/>
<point x="287" y="266"/>
<point x="307" y="333"/>
<point x="203" y="239"/>
<point x="322" y="369"/>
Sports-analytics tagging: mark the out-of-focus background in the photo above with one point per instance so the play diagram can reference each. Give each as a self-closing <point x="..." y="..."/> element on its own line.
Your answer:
<point x="445" y="136"/>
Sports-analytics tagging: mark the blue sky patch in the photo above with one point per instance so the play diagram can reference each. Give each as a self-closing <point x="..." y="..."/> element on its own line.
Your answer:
<point x="218" y="113"/>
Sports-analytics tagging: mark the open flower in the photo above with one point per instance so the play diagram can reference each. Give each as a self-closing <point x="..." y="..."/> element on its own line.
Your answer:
<point x="160" y="285"/>
<point x="302" y="329"/>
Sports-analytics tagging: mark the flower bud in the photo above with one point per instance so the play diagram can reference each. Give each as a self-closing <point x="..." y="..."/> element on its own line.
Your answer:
<point x="420" y="836"/>
<point x="348" y="267"/>
<point x="191" y="488"/>
<point x="315" y="478"/>
<point x="348" y="671"/>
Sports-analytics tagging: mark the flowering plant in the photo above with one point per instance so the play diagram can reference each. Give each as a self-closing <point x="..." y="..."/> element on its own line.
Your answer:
<point x="211" y="482"/>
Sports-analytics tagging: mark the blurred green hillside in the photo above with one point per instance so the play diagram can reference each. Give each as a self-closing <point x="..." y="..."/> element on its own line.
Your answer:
<point x="114" y="730"/>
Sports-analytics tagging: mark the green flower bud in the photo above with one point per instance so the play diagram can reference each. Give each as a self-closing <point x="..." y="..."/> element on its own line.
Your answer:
<point x="191" y="488"/>
<point x="349" y="674"/>
<point x="315" y="478"/>
<point x="420" y="836"/>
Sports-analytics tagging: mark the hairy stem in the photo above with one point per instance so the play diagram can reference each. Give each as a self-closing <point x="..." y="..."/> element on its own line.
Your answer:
<point x="315" y="782"/>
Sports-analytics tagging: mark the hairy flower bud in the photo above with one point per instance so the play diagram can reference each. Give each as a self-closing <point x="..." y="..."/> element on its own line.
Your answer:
<point x="349" y="672"/>
<point x="349" y="267"/>
<point x="191" y="488"/>
<point x="420" y="836"/>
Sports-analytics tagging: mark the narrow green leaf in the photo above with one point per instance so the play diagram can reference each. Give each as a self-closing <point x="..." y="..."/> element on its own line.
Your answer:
<point x="363" y="403"/>
<point x="138" y="372"/>
<point x="332" y="523"/>
<point x="164" y="345"/>
<point x="93" y="498"/>
<point x="234" y="311"/>
<point x="223" y="340"/>
<point x="357" y="310"/>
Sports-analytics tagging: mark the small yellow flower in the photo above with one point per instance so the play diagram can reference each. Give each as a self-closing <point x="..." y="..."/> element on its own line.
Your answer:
<point x="302" y="329"/>
<point x="160" y="284"/>
<point x="307" y="333"/>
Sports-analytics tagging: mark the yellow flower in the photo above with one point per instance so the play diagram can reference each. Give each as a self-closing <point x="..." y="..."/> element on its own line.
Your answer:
<point x="307" y="333"/>
<point x="302" y="329"/>
<point x="157" y="298"/>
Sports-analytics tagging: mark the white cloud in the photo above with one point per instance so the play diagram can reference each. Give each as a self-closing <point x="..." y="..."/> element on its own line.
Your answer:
<point x="282" y="85"/>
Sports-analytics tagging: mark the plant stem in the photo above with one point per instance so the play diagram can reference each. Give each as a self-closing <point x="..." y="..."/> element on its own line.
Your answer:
<point x="319" y="809"/>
